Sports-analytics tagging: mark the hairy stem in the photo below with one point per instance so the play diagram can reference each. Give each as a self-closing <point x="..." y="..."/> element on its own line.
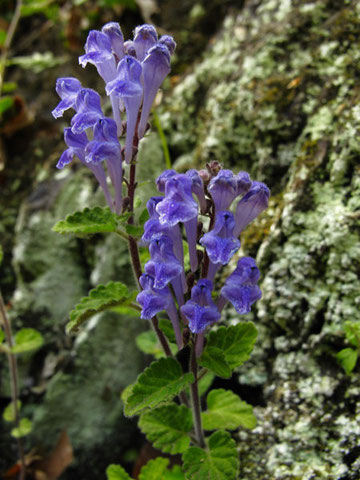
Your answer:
<point x="195" y="400"/>
<point x="13" y="383"/>
<point x="9" y="37"/>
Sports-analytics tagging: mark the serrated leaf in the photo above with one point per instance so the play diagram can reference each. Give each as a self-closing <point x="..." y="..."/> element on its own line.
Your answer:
<point x="116" y="472"/>
<point x="227" y="410"/>
<point x="134" y="230"/>
<point x="347" y="359"/>
<point x="26" y="340"/>
<point x="174" y="474"/>
<point x="168" y="427"/>
<point x="154" y="469"/>
<point x="352" y="333"/>
<point x="89" y="221"/>
<point x="236" y="342"/>
<point x="100" y="298"/>
<point x="9" y="412"/>
<point x="24" y="428"/>
<point x="158" y="384"/>
<point x="148" y="343"/>
<point x="220" y="462"/>
<point x="214" y="359"/>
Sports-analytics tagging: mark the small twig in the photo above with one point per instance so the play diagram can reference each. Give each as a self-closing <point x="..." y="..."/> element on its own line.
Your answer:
<point x="9" y="37"/>
<point x="13" y="382"/>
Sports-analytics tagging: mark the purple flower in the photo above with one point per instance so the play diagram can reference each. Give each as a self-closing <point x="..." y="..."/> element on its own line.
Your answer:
<point x="129" y="48"/>
<point x="156" y="66"/>
<point x="128" y="87"/>
<point x="251" y="205"/>
<point x="164" y="267"/>
<point x="98" y="51"/>
<point x="220" y="243"/>
<point x="145" y="36"/>
<point x="106" y="146"/>
<point x="226" y="186"/>
<point x="197" y="188"/>
<point x="155" y="300"/>
<point x="114" y="33"/>
<point x="241" y="287"/>
<point x="169" y="42"/>
<point x="67" y="88"/>
<point x="200" y="311"/>
<point x="88" y="107"/>
<point x="163" y="178"/>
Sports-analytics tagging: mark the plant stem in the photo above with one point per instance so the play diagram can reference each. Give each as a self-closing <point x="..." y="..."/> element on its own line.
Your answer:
<point x="195" y="400"/>
<point x="135" y="258"/>
<point x="162" y="139"/>
<point x="13" y="383"/>
<point x="9" y="36"/>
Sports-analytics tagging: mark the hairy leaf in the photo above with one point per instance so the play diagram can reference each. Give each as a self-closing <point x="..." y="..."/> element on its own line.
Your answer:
<point x="236" y="342"/>
<point x="24" y="428"/>
<point x="214" y="359"/>
<point x="26" y="340"/>
<point x="168" y="427"/>
<point x="227" y="410"/>
<point x="158" y="384"/>
<point x="116" y="472"/>
<point x="347" y="359"/>
<point x="89" y="221"/>
<point x="219" y="462"/>
<point x="100" y="298"/>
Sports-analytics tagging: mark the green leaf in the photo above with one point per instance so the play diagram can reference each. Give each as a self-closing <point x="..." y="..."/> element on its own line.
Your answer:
<point x="2" y="335"/>
<point x="148" y="343"/>
<point x="158" y="384"/>
<point x="9" y="412"/>
<point x="220" y="462"/>
<point x="227" y="410"/>
<point x="2" y="37"/>
<point x="26" y="340"/>
<point x="9" y="87"/>
<point x="89" y="221"/>
<point x="144" y="216"/>
<point x="100" y="298"/>
<point x="174" y="474"/>
<point x="347" y="359"/>
<point x="154" y="469"/>
<point x="5" y="104"/>
<point x="236" y="342"/>
<point x="352" y="332"/>
<point x="134" y="230"/>
<point x="37" y="62"/>
<point x="116" y="472"/>
<point x="214" y="359"/>
<point x="166" y="327"/>
<point x="25" y="427"/>
<point x="205" y="383"/>
<point x="168" y="427"/>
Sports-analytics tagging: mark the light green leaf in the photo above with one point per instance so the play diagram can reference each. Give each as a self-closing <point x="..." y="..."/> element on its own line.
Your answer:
<point x="205" y="383"/>
<point x="220" y="462"/>
<point x="126" y="392"/>
<point x="347" y="359"/>
<point x="144" y="216"/>
<point x="2" y="335"/>
<point x="236" y="342"/>
<point x="5" y="104"/>
<point x="214" y="359"/>
<point x="166" y="327"/>
<point x="2" y="37"/>
<point x="9" y="412"/>
<point x="134" y="230"/>
<point x="227" y="410"/>
<point x="154" y="469"/>
<point x="168" y="427"/>
<point x="116" y="472"/>
<point x="158" y="384"/>
<point x="174" y="474"/>
<point x="9" y="87"/>
<point x="352" y="332"/>
<point x="26" y="340"/>
<point x="100" y="298"/>
<point x="89" y="221"/>
<point x="148" y="343"/>
<point x="37" y="61"/>
<point x="25" y="427"/>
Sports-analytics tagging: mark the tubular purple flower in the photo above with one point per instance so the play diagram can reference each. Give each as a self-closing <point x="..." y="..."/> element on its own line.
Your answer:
<point x="163" y="178"/>
<point x="169" y="42"/>
<point x="197" y="188"/>
<point x="244" y="183"/>
<point x="127" y="86"/>
<point x="129" y="48"/>
<point x="98" y="51"/>
<point x="200" y="311"/>
<point x="67" y="88"/>
<point x="223" y="189"/>
<point x="88" y="107"/>
<point x="220" y="243"/>
<point x="155" y="300"/>
<point x="251" y="205"/>
<point x="106" y="146"/>
<point x="241" y="287"/>
<point x="156" y="66"/>
<point x="114" y="33"/>
<point x="145" y="36"/>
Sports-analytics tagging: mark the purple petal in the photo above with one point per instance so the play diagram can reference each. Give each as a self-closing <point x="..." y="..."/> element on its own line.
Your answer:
<point x="169" y="42"/>
<point x="244" y="182"/>
<point x="105" y="130"/>
<point x="87" y="99"/>
<point x="81" y="121"/>
<point x="163" y="178"/>
<point x="223" y="189"/>
<point x="129" y="48"/>
<point x="145" y="36"/>
<point x="199" y="317"/>
<point x="66" y="158"/>
<point x="62" y="106"/>
<point x="67" y="87"/>
<point x="99" y="151"/>
<point x="251" y="205"/>
<point x="74" y="140"/>
<point x="114" y="33"/>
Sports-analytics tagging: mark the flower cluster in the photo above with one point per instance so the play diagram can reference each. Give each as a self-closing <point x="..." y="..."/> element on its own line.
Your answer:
<point x="217" y="190"/>
<point x="133" y="72"/>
